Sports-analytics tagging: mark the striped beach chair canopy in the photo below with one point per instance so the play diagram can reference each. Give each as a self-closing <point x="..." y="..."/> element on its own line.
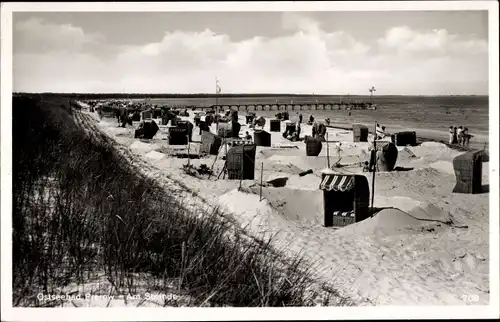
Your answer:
<point x="337" y="182"/>
<point x="344" y="213"/>
<point x="236" y="142"/>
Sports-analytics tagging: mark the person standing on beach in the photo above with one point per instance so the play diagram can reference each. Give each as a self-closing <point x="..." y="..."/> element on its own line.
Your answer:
<point x="300" y="118"/>
<point x="311" y="119"/>
<point x="451" y="132"/>
<point x="455" y="141"/>
<point x="466" y="136"/>
<point x="117" y="114"/>
<point x="297" y="130"/>
<point x="460" y="135"/>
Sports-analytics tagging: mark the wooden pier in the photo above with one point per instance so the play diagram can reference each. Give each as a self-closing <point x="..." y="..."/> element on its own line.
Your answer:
<point x="289" y="107"/>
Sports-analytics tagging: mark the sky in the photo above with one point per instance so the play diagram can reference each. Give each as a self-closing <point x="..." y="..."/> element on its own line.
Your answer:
<point x="399" y="53"/>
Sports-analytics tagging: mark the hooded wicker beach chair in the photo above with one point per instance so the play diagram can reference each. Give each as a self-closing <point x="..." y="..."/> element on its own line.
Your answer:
<point x="346" y="198"/>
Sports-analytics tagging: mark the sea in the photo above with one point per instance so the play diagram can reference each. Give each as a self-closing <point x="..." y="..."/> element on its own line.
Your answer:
<point x="412" y="112"/>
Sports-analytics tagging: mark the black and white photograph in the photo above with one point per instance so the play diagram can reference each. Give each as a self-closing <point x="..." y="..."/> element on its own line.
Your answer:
<point x="242" y="156"/>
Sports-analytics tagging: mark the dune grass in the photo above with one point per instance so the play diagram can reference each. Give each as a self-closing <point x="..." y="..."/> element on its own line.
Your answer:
<point x="80" y="209"/>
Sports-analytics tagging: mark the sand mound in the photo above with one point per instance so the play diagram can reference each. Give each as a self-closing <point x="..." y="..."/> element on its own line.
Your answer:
<point x="430" y="144"/>
<point x="406" y="152"/>
<point x="141" y="146"/>
<point x="154" y="155"/>
<point x="298" y="205"/>
<point x="240" y="202"/>
<point x="443" y="166"/>
<point x="399" y="215"/>
<point x="248" y="208"/>
<point x="118" y="131"/>
<point x="307" y="182"/>
<point x="425" y="173"/>
<point x="281" y="166"/>
<point x="430" y="212"/>
<point x="393" y="221"/>
<point x="385" y="222"/>
<point x="434" y="151"/>
<point x="418" y="209"/>
<point x="403" y="203"/>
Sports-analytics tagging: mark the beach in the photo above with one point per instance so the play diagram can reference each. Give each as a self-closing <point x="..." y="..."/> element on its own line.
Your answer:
<point x="427" y="245"/>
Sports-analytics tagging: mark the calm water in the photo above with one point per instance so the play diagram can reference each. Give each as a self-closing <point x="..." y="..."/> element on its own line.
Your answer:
<point x="436" y="113"/>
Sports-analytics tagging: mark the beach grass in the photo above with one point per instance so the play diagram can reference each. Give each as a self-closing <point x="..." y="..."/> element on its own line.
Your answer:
<point x="80" y="209"/>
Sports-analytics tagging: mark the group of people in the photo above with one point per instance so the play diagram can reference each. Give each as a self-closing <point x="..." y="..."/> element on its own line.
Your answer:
<point x="459" y="135"/>
<point x="311" y="120"/>
<point x="123" y="116"/>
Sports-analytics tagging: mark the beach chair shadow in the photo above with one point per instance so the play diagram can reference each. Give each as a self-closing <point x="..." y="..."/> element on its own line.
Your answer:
<point x="402" y="169"/>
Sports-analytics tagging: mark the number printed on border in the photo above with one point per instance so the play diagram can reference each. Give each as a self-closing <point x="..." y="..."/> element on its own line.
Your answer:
<point x="470" y="297"/>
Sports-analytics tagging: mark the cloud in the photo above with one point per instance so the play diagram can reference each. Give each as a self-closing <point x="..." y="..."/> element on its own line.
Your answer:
<point x="306" y="59"/>
<point x="437" y="41"/>
<point x="35" y="35"/>
<point x="299" y="22"/>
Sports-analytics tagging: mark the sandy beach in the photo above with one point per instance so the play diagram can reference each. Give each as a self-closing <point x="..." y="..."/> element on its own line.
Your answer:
<point x="428" y="247"/>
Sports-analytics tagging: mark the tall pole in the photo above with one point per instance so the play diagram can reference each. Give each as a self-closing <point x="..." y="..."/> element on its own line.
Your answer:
<point x="225" y="143"/>
<point x="217" y="94"/>
<point x="374" y="166"/>
<point x="241" y="169"/>
<point x="189" y="158"/>
<point x="261" y="174"/>
<point x="327" y="151"/>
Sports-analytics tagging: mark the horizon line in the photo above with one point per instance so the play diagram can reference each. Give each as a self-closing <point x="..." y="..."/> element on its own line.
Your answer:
<point x="243" y="94"/>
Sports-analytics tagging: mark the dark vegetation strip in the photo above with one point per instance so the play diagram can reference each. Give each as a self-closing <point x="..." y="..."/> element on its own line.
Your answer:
<point x="80" y="209"/>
